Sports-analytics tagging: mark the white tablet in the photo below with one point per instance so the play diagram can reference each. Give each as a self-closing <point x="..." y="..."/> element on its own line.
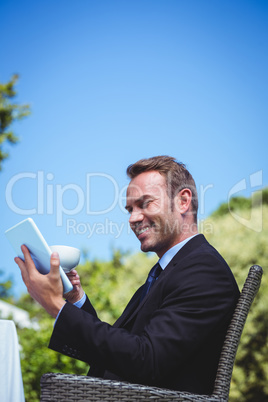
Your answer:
<point x="26" y="232"/>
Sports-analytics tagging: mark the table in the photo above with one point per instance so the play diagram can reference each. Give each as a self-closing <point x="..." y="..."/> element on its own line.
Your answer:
<point x="11" y="385"/>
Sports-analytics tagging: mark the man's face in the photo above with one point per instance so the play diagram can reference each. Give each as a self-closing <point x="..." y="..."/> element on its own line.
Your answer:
<point x="154" y="217"/>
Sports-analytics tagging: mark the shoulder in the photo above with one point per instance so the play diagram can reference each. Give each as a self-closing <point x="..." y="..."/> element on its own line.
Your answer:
<point x="199" y="264"/>
<point x="200" y="250"/>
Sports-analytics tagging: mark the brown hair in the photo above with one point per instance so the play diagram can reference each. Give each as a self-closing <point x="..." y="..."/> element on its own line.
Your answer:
<point x="176" y="175"/>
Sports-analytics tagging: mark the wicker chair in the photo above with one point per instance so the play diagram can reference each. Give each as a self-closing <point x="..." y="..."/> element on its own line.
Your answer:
<point x="66" y="387"/>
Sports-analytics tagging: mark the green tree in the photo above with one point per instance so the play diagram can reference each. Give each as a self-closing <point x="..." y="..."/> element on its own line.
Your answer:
<point x="242" y="203"/>
<point x="10" y="112"/>
<point x="5" y="287"/>
<point x="234" y="204"/>
<point x="242" y="247"/>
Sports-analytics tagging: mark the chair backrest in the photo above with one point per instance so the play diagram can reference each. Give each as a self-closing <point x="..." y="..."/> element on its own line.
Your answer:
<point x="233" y="335"/>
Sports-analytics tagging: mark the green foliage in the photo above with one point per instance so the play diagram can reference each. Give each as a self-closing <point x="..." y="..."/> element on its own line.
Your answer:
<point x="5" y="287"/>
<point x="241" y="203"/>
<point x="260" y="197"/>
<point x="243" y="247"/>
<point x="37" y="359"/>
<point x="234" y="204"/>
<point x="10" y="112"/>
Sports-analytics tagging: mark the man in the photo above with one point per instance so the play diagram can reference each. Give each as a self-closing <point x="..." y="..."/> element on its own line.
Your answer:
<point x="172" y="335"/>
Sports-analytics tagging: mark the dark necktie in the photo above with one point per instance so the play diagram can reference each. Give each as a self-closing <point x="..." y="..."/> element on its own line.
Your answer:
<point x="153" y="274"/>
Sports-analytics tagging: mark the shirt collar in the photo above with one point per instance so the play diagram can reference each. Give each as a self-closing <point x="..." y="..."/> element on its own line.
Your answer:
<point x="167" y="257"/>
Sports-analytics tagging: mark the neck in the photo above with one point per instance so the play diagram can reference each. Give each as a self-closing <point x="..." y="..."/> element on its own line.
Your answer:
<point x="189" y="228"/>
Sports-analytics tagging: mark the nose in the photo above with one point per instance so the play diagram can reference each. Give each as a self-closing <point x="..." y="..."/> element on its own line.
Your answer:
<point x="135" y="217"/>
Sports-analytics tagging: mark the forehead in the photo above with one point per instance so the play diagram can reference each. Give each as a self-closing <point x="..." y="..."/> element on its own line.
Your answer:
<point x="147" y="183"/>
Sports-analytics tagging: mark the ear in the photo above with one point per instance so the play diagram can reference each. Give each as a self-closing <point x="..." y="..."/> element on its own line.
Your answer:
<point x="183" y="200"/>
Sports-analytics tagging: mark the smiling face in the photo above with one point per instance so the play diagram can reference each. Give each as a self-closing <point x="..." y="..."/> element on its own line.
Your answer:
<point x="154" y="217"/>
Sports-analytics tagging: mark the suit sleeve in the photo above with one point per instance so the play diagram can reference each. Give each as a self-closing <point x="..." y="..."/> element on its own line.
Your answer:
<point x="184" y="309"/>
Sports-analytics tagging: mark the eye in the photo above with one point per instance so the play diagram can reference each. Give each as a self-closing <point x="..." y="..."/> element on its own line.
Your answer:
<point x="145" y="204"/>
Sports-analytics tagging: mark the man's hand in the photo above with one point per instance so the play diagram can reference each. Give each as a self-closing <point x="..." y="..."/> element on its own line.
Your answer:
<point x="45" y="289"/>
<point x="77" y="292"/>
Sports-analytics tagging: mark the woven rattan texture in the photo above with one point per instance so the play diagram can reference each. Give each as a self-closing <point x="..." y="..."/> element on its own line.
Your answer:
<point x="67" y="387"/>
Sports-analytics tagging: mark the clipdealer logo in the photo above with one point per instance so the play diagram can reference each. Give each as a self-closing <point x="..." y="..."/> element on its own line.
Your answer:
<point x="50" y="196"/>
<point x="255" y="221"/>
<point x="50" y="199"/>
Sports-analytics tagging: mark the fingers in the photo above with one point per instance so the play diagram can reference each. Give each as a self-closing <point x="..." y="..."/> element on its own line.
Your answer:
<point x="46" y="289"/>
<point x="54" y="263"/>
<point x="27" y="265"/>
<point x="21" y="266"/>
<point x="71" y="273"/>
<point x="74" y="277"/>
<point x="27" y="255"/>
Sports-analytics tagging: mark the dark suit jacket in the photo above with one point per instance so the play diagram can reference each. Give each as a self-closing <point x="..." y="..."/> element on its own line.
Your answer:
<point x="171" y="339"/>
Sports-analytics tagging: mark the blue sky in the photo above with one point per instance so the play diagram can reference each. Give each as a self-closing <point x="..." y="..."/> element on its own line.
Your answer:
<point x="112" y="81"/>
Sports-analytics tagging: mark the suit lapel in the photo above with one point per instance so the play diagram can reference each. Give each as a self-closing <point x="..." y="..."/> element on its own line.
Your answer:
<point x="130" y="308"/>
<point x="135" y="305"/>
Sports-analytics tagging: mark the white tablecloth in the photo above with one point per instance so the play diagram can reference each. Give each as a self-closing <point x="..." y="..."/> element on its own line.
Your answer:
<point x="11" y="386"/>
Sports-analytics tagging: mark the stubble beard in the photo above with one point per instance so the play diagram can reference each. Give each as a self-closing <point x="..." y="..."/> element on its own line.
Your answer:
<point x="162" y="236"/>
